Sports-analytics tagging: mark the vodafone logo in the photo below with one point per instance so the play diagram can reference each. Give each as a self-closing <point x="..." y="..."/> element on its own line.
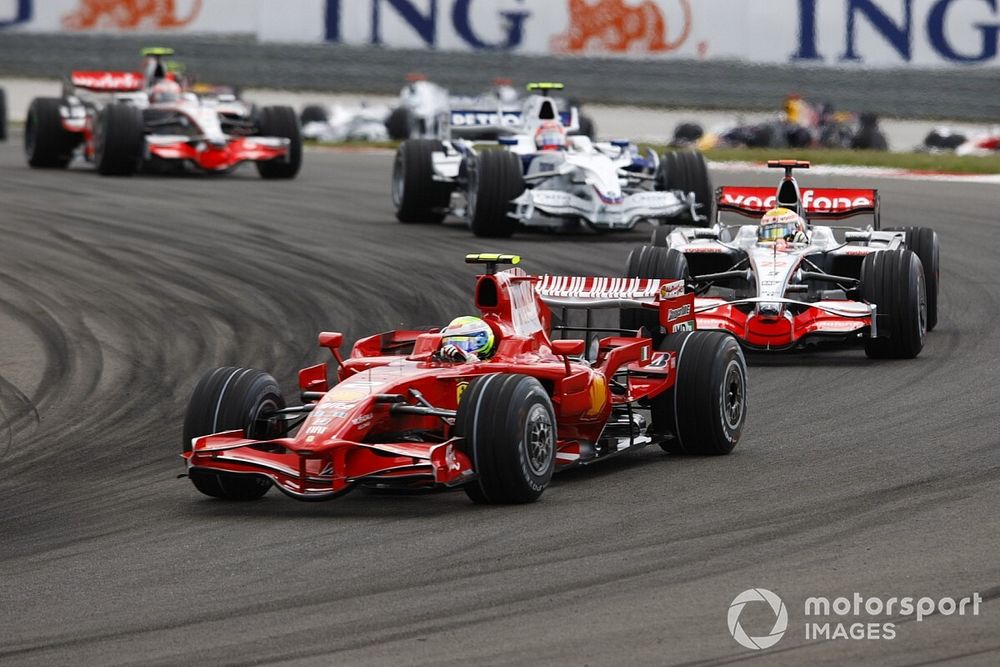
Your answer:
<point x="122" y="81"/>
<point x="813" y="200"/>
<point x="753" y="595"/>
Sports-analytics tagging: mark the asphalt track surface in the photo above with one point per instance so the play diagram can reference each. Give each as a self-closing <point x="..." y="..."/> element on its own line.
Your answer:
<point x="116" y="294"/>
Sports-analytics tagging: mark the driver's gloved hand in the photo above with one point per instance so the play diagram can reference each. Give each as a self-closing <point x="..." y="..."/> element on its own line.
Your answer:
<point x="451" y="352"/>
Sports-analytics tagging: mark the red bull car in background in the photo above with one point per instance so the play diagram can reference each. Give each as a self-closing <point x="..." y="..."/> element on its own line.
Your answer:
<point x="114" y="120"/>
<point x="404" y="415"/>
<point x="871" y="285"/>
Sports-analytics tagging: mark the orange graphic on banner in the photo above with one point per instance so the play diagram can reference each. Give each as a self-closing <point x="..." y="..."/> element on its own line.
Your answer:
<point x="129" y="14"/>
<point x="616" y="27"/>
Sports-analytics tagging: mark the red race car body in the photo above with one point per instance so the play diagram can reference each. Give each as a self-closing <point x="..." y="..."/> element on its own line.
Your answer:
<point x="403" y="416"/>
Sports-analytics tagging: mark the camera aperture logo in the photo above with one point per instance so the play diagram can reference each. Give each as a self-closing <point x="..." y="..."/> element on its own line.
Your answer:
<point x="858" y="617"/>
<point x="780" y="618"/>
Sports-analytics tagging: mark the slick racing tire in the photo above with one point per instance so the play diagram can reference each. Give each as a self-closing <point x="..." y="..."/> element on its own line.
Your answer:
<point x="651" y="262"/>
<point x="47" y="145"/>
<point x="706" y="409"/>
<point x="280" y="121"/>
<point x="660" y="234"/>
<point x="495" y="180"/>
<point x="894" y="281"/>
<point x="401" y="124"/>
<point x="924" y="242"/>
<point x="508" y="430"/>
<point x="415" y="194"/>
<point x="227" y="399"/>
<point x="119" y="140"/>
<point x="587" y="127"/>
<point x="686" y="171"/>
<point x="3" y="115"/>
<point x="314" y="113"/>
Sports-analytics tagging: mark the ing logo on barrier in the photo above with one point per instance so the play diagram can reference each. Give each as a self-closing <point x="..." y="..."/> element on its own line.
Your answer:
<point x="616" y="27"/>
<point x="132" y="14"/>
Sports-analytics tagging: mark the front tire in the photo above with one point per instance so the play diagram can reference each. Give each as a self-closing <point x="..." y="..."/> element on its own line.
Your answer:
<point x="415" y="194"/>
<point x="495" y="180"/>
<point x="508" y="430"/>
<point x="893" y="280"/>
<point x="401" y="124"/>
<point x="280" y="121"/>
<point x="120" y="140"/>
<point x="227" y="399"/>
<point x="47" y="144"/>
<point x="705" y="411"/>
<point x="924" y="242"/>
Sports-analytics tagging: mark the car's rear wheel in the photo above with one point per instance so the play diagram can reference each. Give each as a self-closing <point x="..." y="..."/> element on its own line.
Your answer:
<point x="651" y="262"/>
<point x="508" y="430"/>
<point x="687" y="171"/>
<point x="3" y="115"/>
<point x="705" y="411"/>
<point x="314" y="113"/>
<point x="495" y="180"/>
<point x="415" y="194"/>
<point x="893" y="280"/>
<point x="119" y="140"/>
<point x="47" y="144"/>
<point x="660" y="234"/>
<point x="924" y="242"/>
<point x="228" y="399"/>
<point x="401" y="124"/>
<point x="280" y="121"/>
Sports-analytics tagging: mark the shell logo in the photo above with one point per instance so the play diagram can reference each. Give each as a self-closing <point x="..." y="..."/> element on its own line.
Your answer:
<point x="131" y="14"/>
<point x="614" y="26"/>
<point x="598" y="394"/>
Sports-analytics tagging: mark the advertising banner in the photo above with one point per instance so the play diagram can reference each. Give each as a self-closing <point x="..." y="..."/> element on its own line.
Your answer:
<point x="824" y="33"/>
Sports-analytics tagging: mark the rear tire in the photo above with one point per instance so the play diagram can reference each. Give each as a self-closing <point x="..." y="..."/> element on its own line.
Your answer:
<point x="226" y="399"/>
<point x="47" y="144"/>
<point x="119" y="140"/>
<point x="651" y="262"/>
<point x="415" y="194"/>
<point x="495" y="180"/>
<point x="894" y="281"/>
<point x="659" y="236"/>
<point x="587" y="127"/>
<point x="280" y="121"/>
<point x="706" y="409"/>
<point x="687" y="171"/>
<point x="3" y="115"/>
<point x="401" y="124"/>
<point x="314" y="113"/>
<point x="924" y="242"/>
<point x="508" y="431"/>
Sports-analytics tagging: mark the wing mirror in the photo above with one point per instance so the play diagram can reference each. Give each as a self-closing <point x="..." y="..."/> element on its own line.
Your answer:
<point x="331" y="340"/>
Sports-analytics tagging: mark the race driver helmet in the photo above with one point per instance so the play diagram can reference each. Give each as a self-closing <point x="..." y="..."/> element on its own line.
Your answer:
<point x="471" y="335"/>
<point x="550" y="136"/>
<point x="781" y="224"/>
<point x="165" y="91"/>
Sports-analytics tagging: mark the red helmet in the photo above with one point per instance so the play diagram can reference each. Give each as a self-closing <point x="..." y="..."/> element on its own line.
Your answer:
<point x="165" y="91"/>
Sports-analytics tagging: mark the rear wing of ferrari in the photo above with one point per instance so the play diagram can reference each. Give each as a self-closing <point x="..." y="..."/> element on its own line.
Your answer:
<point x="668" y="296"/>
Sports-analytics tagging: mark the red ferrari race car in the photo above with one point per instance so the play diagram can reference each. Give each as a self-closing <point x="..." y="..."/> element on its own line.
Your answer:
<point x="124" y="121"/>
<point x="492" y="404"/>
<point x="786" y="281"/>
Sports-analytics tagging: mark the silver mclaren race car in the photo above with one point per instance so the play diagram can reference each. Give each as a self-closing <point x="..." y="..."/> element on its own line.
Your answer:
<point x="537" y="173"/>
